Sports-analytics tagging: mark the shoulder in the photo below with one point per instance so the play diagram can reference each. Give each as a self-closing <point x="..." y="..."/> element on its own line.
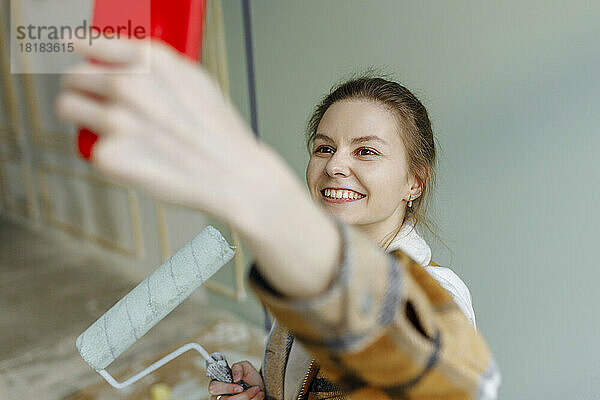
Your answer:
<point x="457" y="288"/>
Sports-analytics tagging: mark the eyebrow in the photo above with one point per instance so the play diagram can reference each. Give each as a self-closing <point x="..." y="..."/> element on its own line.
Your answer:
<point x="356" y="140"/>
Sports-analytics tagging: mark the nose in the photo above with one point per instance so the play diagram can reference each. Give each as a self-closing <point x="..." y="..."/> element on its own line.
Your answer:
<point x="337" y="165"/>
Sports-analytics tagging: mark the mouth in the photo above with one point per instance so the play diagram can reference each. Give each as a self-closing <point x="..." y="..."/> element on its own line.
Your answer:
<point x="339" y="195"/>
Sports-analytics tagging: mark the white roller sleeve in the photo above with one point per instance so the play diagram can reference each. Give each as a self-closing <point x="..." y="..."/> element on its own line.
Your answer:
<point x="154" y="298"/>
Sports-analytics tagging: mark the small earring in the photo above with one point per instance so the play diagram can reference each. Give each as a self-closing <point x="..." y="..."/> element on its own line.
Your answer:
<point x="410" y="199"/>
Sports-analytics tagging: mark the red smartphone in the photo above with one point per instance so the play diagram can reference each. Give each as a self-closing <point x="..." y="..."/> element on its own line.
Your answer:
<point x="178" y="23"/>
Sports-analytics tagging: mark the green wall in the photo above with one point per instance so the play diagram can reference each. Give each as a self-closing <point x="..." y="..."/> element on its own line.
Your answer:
<point x="514" y="94"/>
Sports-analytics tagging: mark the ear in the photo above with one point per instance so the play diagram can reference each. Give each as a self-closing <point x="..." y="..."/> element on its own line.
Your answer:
<point x="416" y="185"/>
<point x="416" y="188"/>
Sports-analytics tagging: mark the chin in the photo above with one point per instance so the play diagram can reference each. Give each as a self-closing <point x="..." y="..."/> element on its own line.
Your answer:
<point x="345" y="217"/>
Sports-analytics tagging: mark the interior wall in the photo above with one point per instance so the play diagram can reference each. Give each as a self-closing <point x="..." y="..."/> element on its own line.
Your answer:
<point x="512" y="89"/>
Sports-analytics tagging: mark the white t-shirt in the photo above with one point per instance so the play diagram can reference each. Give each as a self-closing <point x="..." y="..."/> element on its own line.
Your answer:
<point x="410" y="242"/>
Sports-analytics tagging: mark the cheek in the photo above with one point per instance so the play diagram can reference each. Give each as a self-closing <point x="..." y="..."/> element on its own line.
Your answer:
<point x="312" y="173"/>
<point x="386" y="185"/>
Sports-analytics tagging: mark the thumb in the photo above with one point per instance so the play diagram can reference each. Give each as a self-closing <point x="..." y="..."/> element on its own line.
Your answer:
<point x="237" y="371"/>
<point x="245" y="371"/>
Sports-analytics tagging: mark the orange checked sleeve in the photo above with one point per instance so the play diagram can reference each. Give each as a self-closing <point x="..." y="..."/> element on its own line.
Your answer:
<point x="386" y="329"/>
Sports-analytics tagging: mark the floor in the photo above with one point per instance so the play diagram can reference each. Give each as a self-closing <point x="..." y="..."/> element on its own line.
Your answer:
<point x="51" y="291"/>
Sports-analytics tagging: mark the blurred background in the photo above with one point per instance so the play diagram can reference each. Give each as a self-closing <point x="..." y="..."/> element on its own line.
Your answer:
<point x="513" y="92"/>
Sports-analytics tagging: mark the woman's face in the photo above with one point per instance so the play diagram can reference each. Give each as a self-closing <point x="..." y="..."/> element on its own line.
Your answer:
<point x="358" y="168"/>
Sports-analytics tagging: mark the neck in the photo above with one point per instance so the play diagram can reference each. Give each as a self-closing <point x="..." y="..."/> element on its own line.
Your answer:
<point x="383" y="232"/>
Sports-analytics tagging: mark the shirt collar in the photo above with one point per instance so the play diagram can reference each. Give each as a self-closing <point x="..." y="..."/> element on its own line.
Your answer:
<point x="410" y="242"/>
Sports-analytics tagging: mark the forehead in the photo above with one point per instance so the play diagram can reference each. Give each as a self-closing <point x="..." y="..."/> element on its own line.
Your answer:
<point x="348" y="119"/>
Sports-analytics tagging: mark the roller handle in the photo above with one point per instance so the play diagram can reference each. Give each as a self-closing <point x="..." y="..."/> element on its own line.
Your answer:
<point x="219" y="370"/>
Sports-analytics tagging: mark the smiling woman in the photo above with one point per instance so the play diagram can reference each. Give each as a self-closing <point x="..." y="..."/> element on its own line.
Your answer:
<point x="366" y="323"/>
<point x="372" y="155"/>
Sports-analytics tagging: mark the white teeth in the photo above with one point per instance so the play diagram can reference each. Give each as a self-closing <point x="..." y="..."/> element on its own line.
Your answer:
<point x="341" y="194"/>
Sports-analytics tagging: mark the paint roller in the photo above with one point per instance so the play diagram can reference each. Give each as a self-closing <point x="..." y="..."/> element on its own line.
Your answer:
<point x="152" y="300"/>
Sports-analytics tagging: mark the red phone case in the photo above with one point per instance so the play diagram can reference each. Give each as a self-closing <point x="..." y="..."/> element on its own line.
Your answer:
<point x="176" y="22"/>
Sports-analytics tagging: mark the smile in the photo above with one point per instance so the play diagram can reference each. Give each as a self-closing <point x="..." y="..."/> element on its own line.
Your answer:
<point x="334" y="195"/>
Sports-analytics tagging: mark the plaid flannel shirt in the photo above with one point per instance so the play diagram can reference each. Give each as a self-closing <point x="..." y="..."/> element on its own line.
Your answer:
<point x="385" y="329"/>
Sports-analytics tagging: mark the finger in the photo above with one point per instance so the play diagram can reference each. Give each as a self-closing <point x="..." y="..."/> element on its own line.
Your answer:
<point x="247" y="395"/>
<point x="82" y="110"/>
<point x="96" y="79"/>
<point x="245" y="371"/>
<point x="237" y="371"/>
<point x="242" y="369"/>
<point x="94" y="114"/>
<point x="114" y="51"/>
<point x="217" y="387"/>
